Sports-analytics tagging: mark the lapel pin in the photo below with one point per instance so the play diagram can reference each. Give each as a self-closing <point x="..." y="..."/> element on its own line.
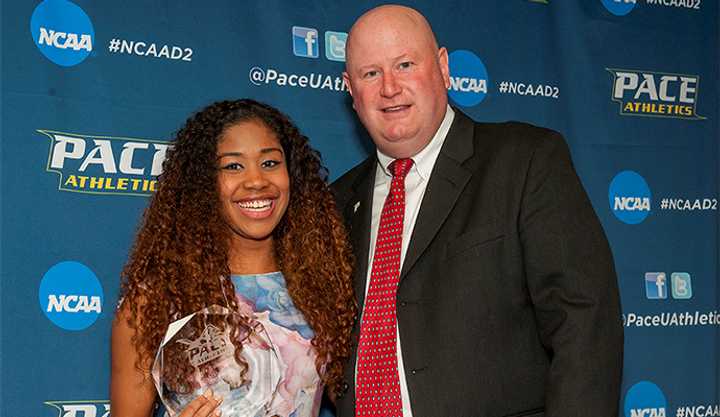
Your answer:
<point x="355" y="207"/>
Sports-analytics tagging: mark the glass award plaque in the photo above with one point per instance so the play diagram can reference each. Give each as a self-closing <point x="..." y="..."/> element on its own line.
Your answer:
<point x="214" y="349"/>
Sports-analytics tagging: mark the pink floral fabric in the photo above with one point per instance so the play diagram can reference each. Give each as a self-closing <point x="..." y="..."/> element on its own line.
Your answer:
<point x="265" y="298"/>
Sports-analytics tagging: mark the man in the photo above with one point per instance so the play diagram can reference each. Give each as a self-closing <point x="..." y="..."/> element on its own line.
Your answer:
<point x="485" y="281"/>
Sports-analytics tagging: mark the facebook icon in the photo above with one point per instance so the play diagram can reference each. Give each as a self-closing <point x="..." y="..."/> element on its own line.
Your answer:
<point x="655" y="285"/>
<point x="305" y="42"/>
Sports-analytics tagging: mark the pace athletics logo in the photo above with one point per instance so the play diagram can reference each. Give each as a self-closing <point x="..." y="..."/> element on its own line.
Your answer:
<point x="71" y="296"/>
<point x="655" y="94"/>
<point x="630" y="198"/>
<point x="81" y="408"/>
<point x="619" y="7"/>
<point x="105" y="164"/>
<point x="62" y="32"/>
<point x="645" y="399"/>
<point x="468" y="78"/>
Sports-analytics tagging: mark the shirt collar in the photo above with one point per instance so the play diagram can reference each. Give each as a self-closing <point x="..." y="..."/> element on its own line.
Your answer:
<point x="424" y="161"/>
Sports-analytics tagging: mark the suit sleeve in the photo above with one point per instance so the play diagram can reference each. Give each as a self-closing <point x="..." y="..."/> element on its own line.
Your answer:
<point x="573" y="286"/>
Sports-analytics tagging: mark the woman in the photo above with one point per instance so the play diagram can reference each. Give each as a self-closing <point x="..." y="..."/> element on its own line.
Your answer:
<point x="242" y="196"/>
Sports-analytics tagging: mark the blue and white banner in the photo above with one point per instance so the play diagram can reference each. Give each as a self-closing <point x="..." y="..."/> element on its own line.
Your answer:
<point x="92" y="93"/>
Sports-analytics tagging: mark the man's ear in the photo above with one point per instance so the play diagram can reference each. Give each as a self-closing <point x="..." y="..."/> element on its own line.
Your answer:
<point x="346" y="79"/>
<point x="444" y="66"/>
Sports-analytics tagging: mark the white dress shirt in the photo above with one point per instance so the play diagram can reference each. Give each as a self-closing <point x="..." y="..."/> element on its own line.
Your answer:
<point x="415" y="184"/>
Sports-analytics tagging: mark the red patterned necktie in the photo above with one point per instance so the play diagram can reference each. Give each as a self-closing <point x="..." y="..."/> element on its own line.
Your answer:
<point x="378" y="384"/>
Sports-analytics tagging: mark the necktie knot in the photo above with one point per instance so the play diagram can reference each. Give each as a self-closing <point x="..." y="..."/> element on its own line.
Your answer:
<point x="400" y="168"/>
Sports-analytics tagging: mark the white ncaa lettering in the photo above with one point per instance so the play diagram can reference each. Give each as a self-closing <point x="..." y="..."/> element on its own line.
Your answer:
<point x="126" y="47"/>
<point x="152" y="50"/>
<point x="539" y="90"/>
<point x="696" y="204"/>
<point x="530" y="90"/>
<point x="467" y="84"/>
<point x="137" y="47"/>
<point x="647" y="412"/>
<point x="632" y="203"/>
<point x="164" y="52"/>
<point x="688" y="4"/>
<point x="703" y="411"/>
<point x="64" y="40"/>
<point x="74" y="303"/>
<point x="141" y="48"/>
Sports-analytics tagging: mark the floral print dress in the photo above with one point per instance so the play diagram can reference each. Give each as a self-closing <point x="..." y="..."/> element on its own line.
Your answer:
<point x="265" y="298"/>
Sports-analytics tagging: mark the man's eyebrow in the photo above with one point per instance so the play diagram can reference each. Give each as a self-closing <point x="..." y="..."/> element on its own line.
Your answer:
<point x="393" y="59"/>
<point x="366" y="67"/>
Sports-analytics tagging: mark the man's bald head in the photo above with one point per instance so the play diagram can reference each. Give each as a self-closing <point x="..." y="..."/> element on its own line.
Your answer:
<point x="393" y="16"/>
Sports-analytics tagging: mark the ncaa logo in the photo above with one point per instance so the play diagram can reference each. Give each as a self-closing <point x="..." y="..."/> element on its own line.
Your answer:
<point x="62" y="32"/>
<point x="71" y="296"/>
<point x="645" y="399"/>
<point x="619" y="7"/>
<point x="468" y="78"/>
<point x="629" y="197"/>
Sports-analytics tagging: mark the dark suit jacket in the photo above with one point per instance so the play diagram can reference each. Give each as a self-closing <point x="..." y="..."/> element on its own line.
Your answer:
<point x="508" y="302"/>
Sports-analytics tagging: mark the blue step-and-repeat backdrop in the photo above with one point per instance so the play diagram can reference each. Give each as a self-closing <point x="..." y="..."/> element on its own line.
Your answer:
<point x="93" y="91"/>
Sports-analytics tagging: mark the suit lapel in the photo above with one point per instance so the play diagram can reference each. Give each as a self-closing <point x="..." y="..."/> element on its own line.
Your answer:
<point x="359" y="211"/>
<point x="447" y="180"/>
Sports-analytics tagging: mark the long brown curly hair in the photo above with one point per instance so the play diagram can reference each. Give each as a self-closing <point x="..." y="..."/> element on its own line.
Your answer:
<point x="182" y="246"/>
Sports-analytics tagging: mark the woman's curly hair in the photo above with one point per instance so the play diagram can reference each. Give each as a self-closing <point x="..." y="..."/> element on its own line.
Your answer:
<point x="181" y="249"/>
